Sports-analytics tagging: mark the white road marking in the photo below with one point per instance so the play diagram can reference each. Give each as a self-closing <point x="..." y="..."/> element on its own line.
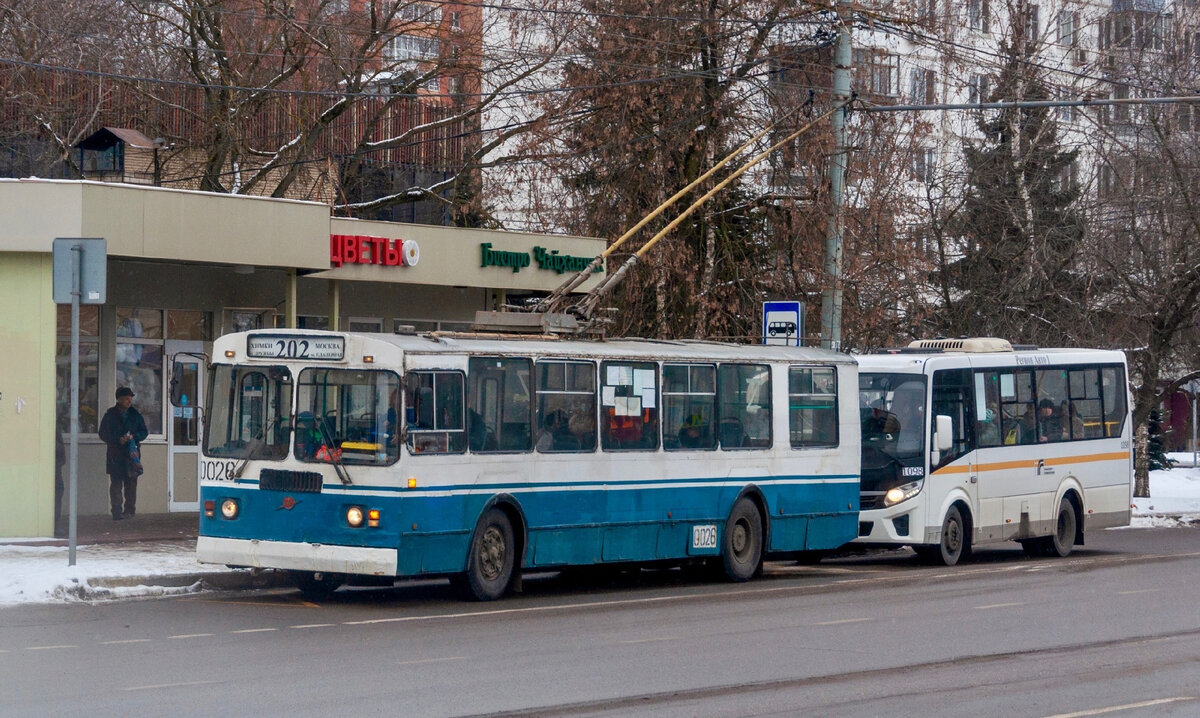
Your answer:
<point x="1126" y="707"/>
<point x="127" y="640"/>
<point x="190" y="635"/>
<point x="1141" y="590"/>
<point x="168" y="685"/>
<point x="255" y="630"/>
<point x="844" y="620"/>
<point x="999" y="605"/>
<point x="47" y="648"/>
<point x="313" y="625"/>
<point x="650" y="640"/>
<point x="431" y="660"/>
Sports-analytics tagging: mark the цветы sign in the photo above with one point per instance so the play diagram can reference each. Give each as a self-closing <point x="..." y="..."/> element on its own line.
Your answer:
<point x="357" y="249"/>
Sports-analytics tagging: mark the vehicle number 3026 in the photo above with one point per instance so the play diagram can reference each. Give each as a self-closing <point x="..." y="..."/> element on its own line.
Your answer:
<point x="704" y="536"/>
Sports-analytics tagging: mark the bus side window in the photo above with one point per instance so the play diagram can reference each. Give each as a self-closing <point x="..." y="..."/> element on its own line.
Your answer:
<point x="952" y="397"/>
<point x="500" y="404"/>
<point x="566" y="406"/>
<point x="987" y="409"/>
<point x="744" y="406"/>
<point x="434" y="412"/>
<point x="689" y="406"/>
<point x="812" y="406"/>
<point x="1112" y="379"/>
<point x="629" y="406"/>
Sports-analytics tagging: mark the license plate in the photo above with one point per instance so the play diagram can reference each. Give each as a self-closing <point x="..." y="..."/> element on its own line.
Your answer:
<point x="704" y="536"/>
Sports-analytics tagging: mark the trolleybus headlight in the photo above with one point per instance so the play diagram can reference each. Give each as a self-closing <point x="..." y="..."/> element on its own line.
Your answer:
<point x="354" y="516"/>
<point x="901" y="493"/>
<point x="229" y="508"/>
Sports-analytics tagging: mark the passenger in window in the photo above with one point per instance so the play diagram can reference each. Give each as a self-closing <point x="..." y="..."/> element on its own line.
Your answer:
<point x="987" y="431"/>
<point x="693" y="433"/>
<point x="554" y="427"/>
<point x="1049" y="422"/>
<point x="880" y="423"/>
<point x="1073" y="422"/>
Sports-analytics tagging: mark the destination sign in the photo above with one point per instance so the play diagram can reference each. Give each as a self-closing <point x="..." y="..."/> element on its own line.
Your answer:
<point x="293" y="346"/>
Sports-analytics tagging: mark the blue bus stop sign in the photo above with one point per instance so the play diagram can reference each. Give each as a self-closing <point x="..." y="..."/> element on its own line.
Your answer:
<point x="783" y="323"/>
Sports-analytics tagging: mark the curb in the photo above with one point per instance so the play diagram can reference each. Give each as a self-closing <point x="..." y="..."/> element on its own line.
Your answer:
<point x="232" y="580"/>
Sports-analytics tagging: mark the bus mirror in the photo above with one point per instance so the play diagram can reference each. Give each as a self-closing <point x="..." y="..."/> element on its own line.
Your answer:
<point x="944" y="433"/>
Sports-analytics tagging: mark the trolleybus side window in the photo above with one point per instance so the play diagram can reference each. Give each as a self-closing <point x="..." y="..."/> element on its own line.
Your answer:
<point x="499" y="405"/>
<point x="952" y="397"/>
<point x="629" y="406"/>
<point x="744" y="406"/>
<point x="812" y="407"/>
<point x="433" y="412"/>
<point x="566" y="406"/>
<point x="342" y="414"/>
<point x="689" y="399"/>
<point x="249" y="411"/>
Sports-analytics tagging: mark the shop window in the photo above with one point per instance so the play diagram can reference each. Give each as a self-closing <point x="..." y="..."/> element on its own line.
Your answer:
<point x="566" y="406"/>
<point x="309" y="321"/>
<point x="365" y="324"/>
<point x="629" y="406"/>
<point x="139" y="361"/>
<point x="89" y="368"/>
<point x="689" y="407"/>
<point x="191" y="326"/>
<point x="247" y="320"/>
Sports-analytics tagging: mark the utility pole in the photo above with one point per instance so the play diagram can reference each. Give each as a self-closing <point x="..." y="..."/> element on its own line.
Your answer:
<point x="831" y="302"/>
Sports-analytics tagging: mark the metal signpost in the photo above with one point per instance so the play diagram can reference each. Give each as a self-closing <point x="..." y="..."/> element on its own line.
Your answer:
<point x="80" y="277"/>
<point x="783" y="323"/>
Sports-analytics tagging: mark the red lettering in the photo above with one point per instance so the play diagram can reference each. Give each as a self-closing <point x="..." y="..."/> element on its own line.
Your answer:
<point x="377" y="245"/>
<point x="335" y="250"/>
<point x="364" y="245"/>
<point x="393" y="257"/>
<point x="349" y="249"/>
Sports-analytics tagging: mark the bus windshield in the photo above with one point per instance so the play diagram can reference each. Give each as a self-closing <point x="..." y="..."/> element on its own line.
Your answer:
<point x="892" y="416"/>
<point x="347" y="416"/>
<point x="249" y="412"/>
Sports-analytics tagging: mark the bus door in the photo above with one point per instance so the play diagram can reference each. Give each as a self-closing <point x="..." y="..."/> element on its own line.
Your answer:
<point x="955" y="468"/>
<point x="183" y="428"/>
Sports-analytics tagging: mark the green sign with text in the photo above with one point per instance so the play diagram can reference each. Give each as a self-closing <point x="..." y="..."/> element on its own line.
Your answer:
<point x="546" y="259"/>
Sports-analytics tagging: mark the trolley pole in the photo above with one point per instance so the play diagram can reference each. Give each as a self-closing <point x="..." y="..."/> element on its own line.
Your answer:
<point x="831" y="301"/>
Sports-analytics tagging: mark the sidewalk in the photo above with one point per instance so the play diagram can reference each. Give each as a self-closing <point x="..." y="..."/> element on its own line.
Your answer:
<point x="149" y="555"/>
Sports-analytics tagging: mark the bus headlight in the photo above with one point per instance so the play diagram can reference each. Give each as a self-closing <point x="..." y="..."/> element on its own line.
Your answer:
<point x="354" y="516"/>
<point x="901" y="493"/>
<point x="229" y="508"/>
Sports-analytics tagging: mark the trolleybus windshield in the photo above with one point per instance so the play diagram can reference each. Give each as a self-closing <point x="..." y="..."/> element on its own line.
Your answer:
<point x="249" y="412"/>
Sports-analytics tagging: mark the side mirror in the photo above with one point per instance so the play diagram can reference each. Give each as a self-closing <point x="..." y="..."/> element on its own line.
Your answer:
<point x="178" y="398"/>
<point x="943" y="438"/>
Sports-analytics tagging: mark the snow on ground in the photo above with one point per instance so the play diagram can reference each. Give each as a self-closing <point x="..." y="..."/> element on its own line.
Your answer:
<point x="40" y="574"/>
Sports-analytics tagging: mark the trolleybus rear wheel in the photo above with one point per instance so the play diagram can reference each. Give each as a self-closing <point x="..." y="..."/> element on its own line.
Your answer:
<point x="741" y="549"/>
<point x="491" y="559"/>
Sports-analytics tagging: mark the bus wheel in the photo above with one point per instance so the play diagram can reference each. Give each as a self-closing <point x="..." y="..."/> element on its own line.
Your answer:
<point x="316" y="586"/>
<point x="1034" y="547"/>
<point x="1063" y="540"/>
<point x="741" y="550"/>
<point x="491" y="559"/>
<point x="953" y="544"/>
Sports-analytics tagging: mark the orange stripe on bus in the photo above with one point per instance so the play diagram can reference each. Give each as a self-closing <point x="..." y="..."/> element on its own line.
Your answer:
<point x="1032" y="463"/>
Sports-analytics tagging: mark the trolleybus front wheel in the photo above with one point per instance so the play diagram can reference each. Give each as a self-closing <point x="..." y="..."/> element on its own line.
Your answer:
<point x="741" y="550"/>
<point x="491" y="558"/>
<point x="316" y="586"/>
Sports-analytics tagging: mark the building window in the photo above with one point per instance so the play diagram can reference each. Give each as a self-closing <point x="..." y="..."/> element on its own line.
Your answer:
<point x="879" y="72"/>
<point x="978" y="15"/>
<point x="921" y="85"/>
<point x="413" y="47"/>
<point x="1032" y="23"/>
<point x="455" y="20"/>
<point x="139" y="361"/>
<point x="1068" y="24"/>
<point x="89" y="368"/>
<point x="425" y="12"/>
<point x="978" y="89"/>
<point x="924" y="161"/>
<point x="370" y="325"/>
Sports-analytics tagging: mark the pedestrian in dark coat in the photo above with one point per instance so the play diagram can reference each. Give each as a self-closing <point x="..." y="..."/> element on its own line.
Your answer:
<point x="121" y="426"/>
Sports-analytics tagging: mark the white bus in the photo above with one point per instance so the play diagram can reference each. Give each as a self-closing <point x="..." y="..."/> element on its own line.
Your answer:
<point x="343" y="456"/>
<point x="973" y="441"/>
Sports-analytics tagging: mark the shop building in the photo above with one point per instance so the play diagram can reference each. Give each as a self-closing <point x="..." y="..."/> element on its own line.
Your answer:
<point x="185" y="267"/>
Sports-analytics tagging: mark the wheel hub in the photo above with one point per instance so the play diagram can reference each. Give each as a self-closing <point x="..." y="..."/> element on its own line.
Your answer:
<point x="491" y="553"/>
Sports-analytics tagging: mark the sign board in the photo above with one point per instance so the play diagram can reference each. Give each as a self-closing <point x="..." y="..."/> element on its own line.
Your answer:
<point x="296" y="346"/>
<point x="93" y="269"/>
<point x="783" y="323"/>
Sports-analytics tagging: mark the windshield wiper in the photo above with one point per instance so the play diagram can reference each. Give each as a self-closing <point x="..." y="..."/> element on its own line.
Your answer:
<point x="332" y="453"/>
<point x="259" y="441"/>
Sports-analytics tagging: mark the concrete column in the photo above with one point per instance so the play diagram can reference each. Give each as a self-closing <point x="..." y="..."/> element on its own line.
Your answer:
<point x="289" y="301"/>
<point x="335" y="305"/>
